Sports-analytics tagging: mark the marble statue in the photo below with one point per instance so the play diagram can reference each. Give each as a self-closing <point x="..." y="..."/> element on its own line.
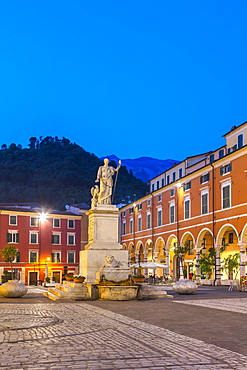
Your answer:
<point x="104" y="177"/>
<point x="111" y="262"/>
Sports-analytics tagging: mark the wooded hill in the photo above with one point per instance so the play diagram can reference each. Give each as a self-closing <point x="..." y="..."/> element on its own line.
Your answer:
<point x="56" y="172"/>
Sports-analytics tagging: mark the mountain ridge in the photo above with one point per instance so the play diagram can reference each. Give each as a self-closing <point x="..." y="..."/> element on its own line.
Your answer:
<point x="144" y="168"/>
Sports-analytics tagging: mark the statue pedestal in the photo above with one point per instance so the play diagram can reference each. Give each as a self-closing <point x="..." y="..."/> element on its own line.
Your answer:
<point x="103" y="236"/>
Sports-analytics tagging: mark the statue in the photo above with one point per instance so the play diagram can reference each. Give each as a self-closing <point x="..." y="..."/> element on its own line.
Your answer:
<point x="95" y="194"/>
<point x="111" y="262"/>
<point x="104" y="177"/>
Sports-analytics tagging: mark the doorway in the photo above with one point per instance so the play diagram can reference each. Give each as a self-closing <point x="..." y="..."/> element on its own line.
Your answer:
<point x="33" y="277"/>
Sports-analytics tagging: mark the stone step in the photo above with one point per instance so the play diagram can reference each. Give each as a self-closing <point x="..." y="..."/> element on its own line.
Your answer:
<point x="50" y="296"/>
<point x="75" y="291"/>
<point x="152" y="292"/>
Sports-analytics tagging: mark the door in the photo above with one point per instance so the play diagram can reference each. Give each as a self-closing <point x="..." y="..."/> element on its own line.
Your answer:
<point x="56" y="275"/>
<point x="33" y="276"/>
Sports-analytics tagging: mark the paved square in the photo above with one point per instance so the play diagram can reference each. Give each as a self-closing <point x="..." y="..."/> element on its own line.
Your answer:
<point x="77" y="335"/>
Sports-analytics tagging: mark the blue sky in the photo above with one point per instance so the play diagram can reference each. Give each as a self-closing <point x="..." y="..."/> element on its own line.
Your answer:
<point x="157" y="78"/>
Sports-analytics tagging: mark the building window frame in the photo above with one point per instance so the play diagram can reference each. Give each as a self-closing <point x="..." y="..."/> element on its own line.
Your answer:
<point x="33" y="237"/>
<point x="139" y="223"/>
<point x="56" y="256"/>
<point x="12" y="237"/>
<point x="13" y="220"/>
<point x="34" y="221"/>
<point x="131" y="224"/>
<point x="33" y="256"/>
<point x="70" y="253"/>
<point x="56" y="238"/>
<point x="226" y="194"/>
<point x="56" y="223"/>
<point x="159" y="216"/>
<point x="172" y="213"/>
<point x="187" y="206"/>
<point x="204" y="202"/>
<point x="70" y="238"/>
<point x="71" y="223"/>
<point x="149" y="220"/>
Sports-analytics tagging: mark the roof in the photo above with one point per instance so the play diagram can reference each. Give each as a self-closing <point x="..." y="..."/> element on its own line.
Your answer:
<point x="234" y="128"/>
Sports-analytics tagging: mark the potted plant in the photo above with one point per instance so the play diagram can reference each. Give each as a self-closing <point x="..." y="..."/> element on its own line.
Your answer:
<point x="69" y="277"/>
<point x="139" y="278"/>
<point x="78" y="279"/>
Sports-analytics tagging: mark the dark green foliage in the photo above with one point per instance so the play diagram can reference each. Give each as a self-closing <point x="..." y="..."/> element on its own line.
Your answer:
<point x="56" y="172"/>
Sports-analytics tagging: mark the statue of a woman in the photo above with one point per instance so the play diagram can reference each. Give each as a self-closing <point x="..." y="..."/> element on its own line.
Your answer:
<point x="104" y="177"/>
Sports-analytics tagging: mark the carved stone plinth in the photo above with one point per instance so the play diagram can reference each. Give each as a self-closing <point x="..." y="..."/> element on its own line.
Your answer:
<point x="103" y="239"/>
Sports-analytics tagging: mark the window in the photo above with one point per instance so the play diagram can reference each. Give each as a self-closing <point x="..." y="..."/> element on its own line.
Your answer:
<point x="139" y="223"/>
<point x="131" y="210"/>
<point x="139" y="206"/>
<point x="124" y="213"/>
<point x="34" y="221"/>
<point x="187" y="208"/>
<point x="71" y="224"/>
<point x="162" y="182"/>
<point x="230" y="238"/>
<point x="56" y="257"/>
<point x="204" y="202"/>
<point x="56" y="222"/>
<point x="159" y="217"/>
<point x="187" y="185"/>
<point x="12" y="220"/>
<point x="56" y="239"/>
<point x="149" y="220"/>
<point x="18" y="257"/>
<point x="152" y="187"/>
<point x="168" y="179"/>
<point x="204" y="178"/>
<point x="226" y="201"/>
<point x="12" y="236"/>
<point x="240" y="141"/>
<point x="211" y="158"/>
<point x="124" y="228"/>
<point x="33" y="237"/>
<point x="221" y="153"/>
<point x="71" y="239"/>
<point x="172" y="213"/>
<point x="159" y="197"/>
<point x="172" y="192"/>
<point x="149" y="202"/>
<point x="131" y="225"/>
<point x="33" y="256"/>
<point x="158" y="184"/>
<point x="180" y="173"/>
<point x="225" y="169"/>
<point x="71" y="257"/>
<point x="174" y="176"/>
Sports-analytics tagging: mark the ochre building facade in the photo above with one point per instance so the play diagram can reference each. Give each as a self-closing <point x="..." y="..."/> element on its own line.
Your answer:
<point x="200" y="202"/>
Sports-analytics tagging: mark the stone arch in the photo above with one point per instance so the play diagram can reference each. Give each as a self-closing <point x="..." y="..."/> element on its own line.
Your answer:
<point x="139" y="252"/>
<point x="149" y="250"/>
<point x="186" y="236"/>
<point x="131" y="253"/>
<point x="170" y="242"/>
<point x="243" y="235"/>
<point x="222" y="231"/>
<point x="227" y="237"/>
<point x="125" y="246"/>
<point x="204" y="240"/>
<point x="159" y="250"/>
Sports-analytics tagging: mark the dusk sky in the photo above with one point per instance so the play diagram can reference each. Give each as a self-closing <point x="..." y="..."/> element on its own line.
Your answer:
<point x="157" y="78"/>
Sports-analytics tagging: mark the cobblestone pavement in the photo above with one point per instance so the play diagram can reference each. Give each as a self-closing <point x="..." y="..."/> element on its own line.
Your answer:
<point x="233" y="305"/>
<point x="78" y="335"/>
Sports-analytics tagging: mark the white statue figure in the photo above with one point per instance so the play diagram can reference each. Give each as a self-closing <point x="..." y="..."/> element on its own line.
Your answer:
<point x="104" y="176"/>
<point x="95" y="194"/>
<point x="111" y="262"/>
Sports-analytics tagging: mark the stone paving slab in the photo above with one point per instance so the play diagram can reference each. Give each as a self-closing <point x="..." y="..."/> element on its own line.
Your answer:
<point x="233" y="305"/>
<point x="82" y="336"/>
